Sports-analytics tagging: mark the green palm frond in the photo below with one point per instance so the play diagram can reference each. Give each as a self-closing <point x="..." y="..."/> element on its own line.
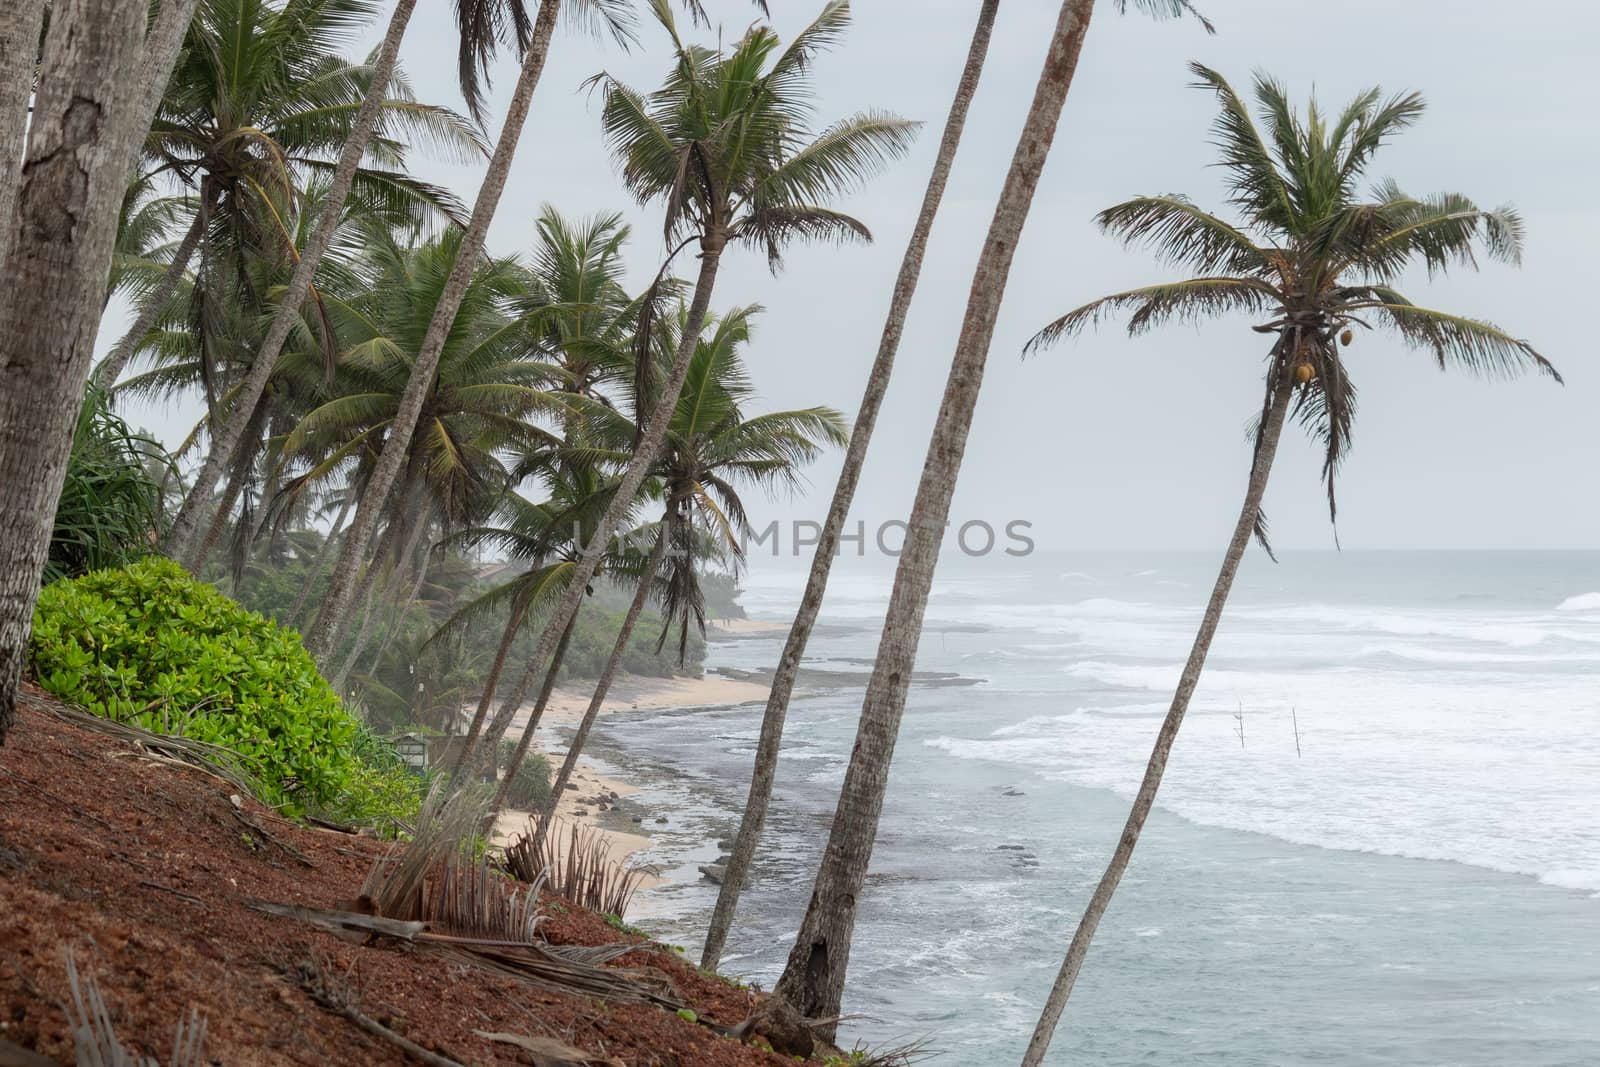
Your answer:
<point x="1182" y="235"/>
<point x="1156" y="305"/>
<point x="1310" y="257"/>
<point x="1472" y="344"/>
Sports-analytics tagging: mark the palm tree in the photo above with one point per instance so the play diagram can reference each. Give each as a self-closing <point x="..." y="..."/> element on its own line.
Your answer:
<point x="214" y="355"/>
<point x="711" y="447"/>
<point x="353" y="547"/>
<point x="1314" y="260"/>
<point x="553" y="535"/>
<point x="813" y="979"/>
<point x="257" y="102"/>
<point x="481" y="404"/>
<point x="262" y="95"/>
<point x="783" y="678"/>
<point x="78" y="156"/>
<point x="725" y="143"/>
<point x="576" y="314"/>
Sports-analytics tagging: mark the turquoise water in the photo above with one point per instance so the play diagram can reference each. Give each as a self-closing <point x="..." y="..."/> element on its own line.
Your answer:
<point x="1418" y="884"/>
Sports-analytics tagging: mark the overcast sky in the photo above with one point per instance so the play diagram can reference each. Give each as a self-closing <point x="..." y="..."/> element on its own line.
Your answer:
<point x="1115" y="443"/>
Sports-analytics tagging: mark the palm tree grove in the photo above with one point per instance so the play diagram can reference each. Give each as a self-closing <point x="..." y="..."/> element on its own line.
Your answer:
<point x="487" y="576"/>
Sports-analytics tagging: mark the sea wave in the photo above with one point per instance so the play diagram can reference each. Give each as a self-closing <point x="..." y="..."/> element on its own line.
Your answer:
<point x="1581" y="602"/>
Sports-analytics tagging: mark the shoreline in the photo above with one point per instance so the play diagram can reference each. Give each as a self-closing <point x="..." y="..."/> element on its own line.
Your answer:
<point x="601" y="800"/>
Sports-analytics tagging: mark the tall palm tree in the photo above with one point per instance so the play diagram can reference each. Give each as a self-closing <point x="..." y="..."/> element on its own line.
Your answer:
<point x="577" y="316"/>
<point x="551" y="534"/>
<point x="214" y="354"/>
<point x="353" y="546"/>
<point x="482" y="403"/>
<point x="712" y="446"/>
<point x="79" y="154"/>
<point x="1312" y="259"/>
<point x="794" y="648"/>
<point x="813" y="979"/>
<point x="725" y="143"/>
<point x="259" y="100"/>
<point x="338" y="111"/>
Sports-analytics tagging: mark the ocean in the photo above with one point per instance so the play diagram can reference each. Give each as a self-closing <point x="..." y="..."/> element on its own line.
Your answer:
<point x="1378" y="841"/>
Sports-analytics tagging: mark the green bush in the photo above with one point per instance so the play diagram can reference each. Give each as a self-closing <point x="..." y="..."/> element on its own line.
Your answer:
<point x="109" y="512"/>
<point x="531" y="787"/>
<point x="148" y="644"/>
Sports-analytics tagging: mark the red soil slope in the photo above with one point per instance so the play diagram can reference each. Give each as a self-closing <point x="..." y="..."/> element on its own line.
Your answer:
<point x="144" y="871"/>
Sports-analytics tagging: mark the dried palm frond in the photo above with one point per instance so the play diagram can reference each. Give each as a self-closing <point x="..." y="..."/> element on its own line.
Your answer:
<point x="224" y="763"/>
<point x="583" y="873"/>
<point x="446" y="827"/>
<point x="471" y="898"/>
<point x="95" y="1042"/>
<point x="567" y="969"/>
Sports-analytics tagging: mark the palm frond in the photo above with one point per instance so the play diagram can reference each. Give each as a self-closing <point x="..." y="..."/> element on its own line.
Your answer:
<point x="1155" y="305"/>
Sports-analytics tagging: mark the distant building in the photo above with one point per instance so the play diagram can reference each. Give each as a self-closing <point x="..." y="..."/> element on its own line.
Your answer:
<point x="412" y="748"/>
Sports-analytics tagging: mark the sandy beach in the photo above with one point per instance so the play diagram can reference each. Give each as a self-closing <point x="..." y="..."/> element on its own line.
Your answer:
<point x="594" y="802"/>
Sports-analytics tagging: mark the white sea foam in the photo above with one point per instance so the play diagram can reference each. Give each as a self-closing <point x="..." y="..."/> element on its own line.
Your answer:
<point x="1582" y="602"/>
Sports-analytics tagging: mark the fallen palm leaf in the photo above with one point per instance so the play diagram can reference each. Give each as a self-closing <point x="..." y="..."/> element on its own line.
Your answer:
<point x="548" y="1052"/>
<point x="95" y="1043"/>
<point x="571" y="970"/>
<point x="220" y="762"/>
<point x="584" y="873"/>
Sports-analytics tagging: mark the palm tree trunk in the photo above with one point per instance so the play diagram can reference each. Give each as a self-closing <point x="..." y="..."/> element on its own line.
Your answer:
<point x="404" y="425"/>
<point x="607" y="674"/>
<point x="419" y="523"/>
<point x="519" y="611"/>
<point x="230" y="493"/>
<point x="1260" y="470"/>
<point x="19" y="50"/>
<point x="228" y="435"/>
<point x="105" y="375"/>
<point x="376" y="586"/>
<point x="161" y="47"/>
<point x="293" y="618"/>
<point x="813" y="980"/>
<point x="772" y="720"/>
<point x="70" y="190"/>
<point x="397" y="619"/>
<point x="526" y="740"/>
<point x="644" y="454"/>
<point x="369" y="613"/>
<point x="371" y="573"/>
<point x="395" y="623"/>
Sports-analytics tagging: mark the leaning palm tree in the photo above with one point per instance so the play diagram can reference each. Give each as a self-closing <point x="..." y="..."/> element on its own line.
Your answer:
<point x="725" y="143"/>
<point x="576" y="317"/>
<point x="712" y="447"/>
<point x="813" y="979"/>
<point x="1313" y="260"/>
<point x="67" y="198"/>
<point x="482" y="404"/>
<point x="554" y="533"/>
<point x="536" y="49"/>
<point x="764" y="773"/>
<point x="262" y="95"/>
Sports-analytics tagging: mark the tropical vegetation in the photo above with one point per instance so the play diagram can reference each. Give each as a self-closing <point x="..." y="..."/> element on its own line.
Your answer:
<point x="149" y="645"/>
<point x="467" y="475"/>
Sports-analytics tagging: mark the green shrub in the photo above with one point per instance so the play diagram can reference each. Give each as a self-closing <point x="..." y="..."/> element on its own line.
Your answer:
<point x="531" y="787"/>
<point x="148" y="644"/>
<point x="109" y="512"/>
